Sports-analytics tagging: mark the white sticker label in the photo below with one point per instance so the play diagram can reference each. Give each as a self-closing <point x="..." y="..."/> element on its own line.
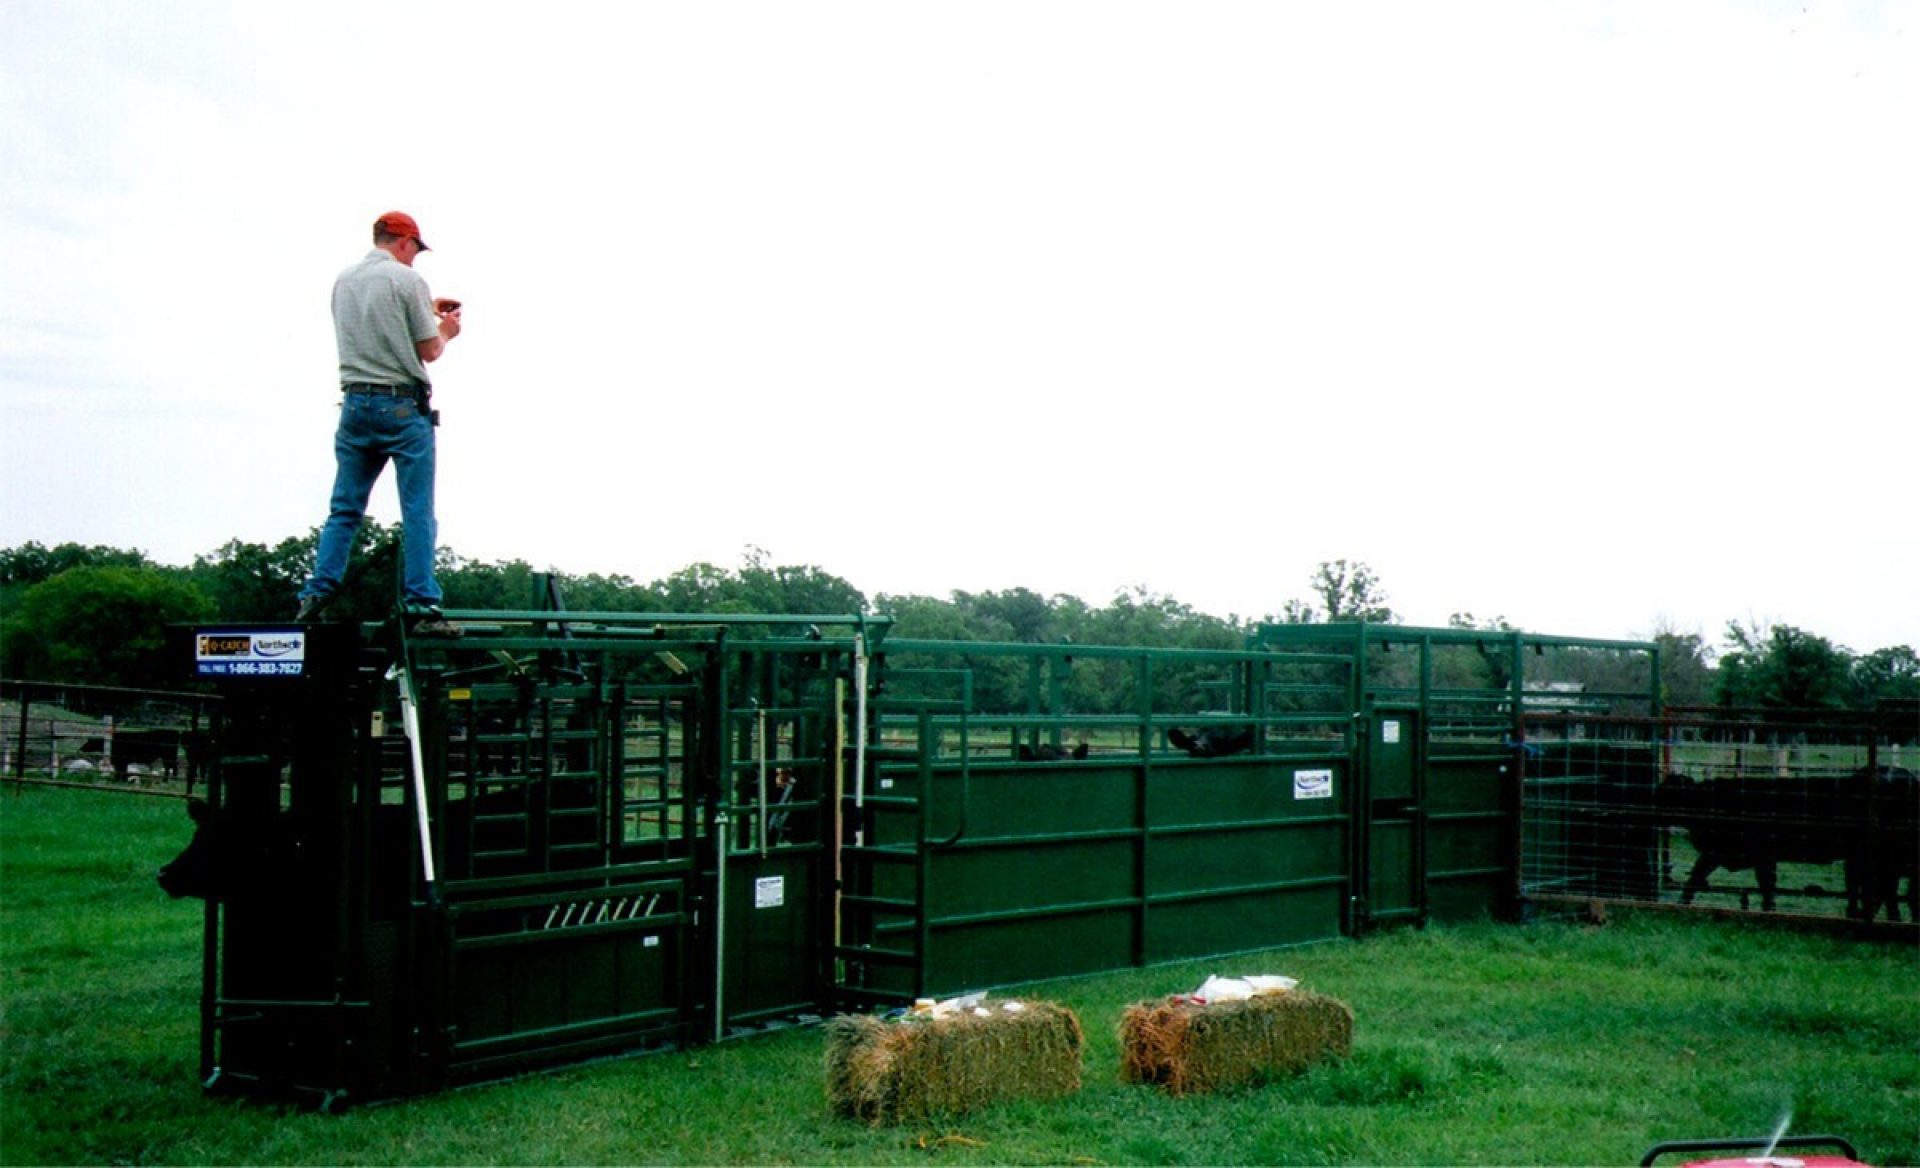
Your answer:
<point x="770" y="892"/>
<point x="650" y="942"/>
<point x="1313" y="784"/>
<point x="1390" y="732"/>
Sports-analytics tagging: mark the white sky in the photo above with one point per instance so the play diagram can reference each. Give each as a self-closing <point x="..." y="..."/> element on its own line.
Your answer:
<point x="1601" y="317"/>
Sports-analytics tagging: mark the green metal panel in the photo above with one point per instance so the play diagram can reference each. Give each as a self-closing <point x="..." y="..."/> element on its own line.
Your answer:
<point x="1238" y="924"/>
<point x="1392" y="878"/>
<point x="1029" y="874"/>
<point x="773" y="930"/>
<point x="1394" y="831"/>
<point x="970" y="955"/>
<point x="1193" y="863"/>
<point x="1471" y="841"/>
<point x="1022" y="800"/>
<point x="1392" y="753"/>
<point x="1178" y="858"/>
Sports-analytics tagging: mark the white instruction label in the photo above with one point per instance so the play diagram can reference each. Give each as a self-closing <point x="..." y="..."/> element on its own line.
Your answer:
<point x="770" y="892"/>
<point x="1390" y="732"/>
<point x="1316" y="784"/>
<point x="650" y="941"/>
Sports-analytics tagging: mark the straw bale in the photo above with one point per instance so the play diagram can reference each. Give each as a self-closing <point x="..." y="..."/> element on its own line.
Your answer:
<point x="911" y="1069"/>
<point x="1186" y="1046"/>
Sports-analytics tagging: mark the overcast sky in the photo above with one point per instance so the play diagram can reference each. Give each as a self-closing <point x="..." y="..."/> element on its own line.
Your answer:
<point x="1600" y="317"/>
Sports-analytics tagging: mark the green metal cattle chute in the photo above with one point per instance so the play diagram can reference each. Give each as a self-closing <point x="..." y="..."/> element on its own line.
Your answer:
<point x="557" y="836"/>
<point x="563" y="835"/>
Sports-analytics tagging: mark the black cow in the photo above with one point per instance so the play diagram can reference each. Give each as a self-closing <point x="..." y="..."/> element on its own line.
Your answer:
<point x="228" y="853"/>
<point x="1047" y="752"/>
<point x="1886" y="848"/>
<point x="1862" y="820"/>
<point x="1213" y="741"/>
<point x="155" y="750"/>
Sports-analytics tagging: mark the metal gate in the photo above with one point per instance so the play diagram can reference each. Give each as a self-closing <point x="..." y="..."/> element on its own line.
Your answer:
<point x="1030" y="813"/>
<point x="1446" y="715"/>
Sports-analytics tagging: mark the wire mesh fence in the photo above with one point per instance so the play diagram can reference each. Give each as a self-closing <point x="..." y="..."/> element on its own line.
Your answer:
<point x="1790" y="815"/>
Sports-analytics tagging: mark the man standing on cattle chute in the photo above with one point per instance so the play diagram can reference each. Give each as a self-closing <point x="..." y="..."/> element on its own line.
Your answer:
<point x="388" y="328"/>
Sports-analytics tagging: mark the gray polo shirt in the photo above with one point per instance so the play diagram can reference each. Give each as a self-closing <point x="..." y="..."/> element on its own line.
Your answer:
<point x="381" y="309"/>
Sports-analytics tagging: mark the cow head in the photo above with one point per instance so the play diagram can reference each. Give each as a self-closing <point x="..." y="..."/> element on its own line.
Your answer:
<point x="224" y="855"/>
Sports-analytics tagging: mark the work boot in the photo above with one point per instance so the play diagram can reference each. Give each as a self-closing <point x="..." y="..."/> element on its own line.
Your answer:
<point x="428" y="622"/>
<point x="310" y="607"/>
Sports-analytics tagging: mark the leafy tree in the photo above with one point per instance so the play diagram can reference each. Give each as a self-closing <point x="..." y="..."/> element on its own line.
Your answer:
<point x="1782" y="668"/>
<point x="1466" y="620"/>
<point x="597" y="593"/>
<point x="757" y="587"/>
<point x="1485" y="665"/>
<point x="509" y="584"/>
<point x="1018" y="614"/>
<point x="700" y="587"/>
<point x="926" y="618"/>
<point x="794" y="590"/>
<point x="30" y="563"/>
<point x="1886" y="675"/>
<point x="1346" y="592"/>
<point x="253" y="582"/>
<point x="1686" y="668"/>
<point x="101" y="626"/>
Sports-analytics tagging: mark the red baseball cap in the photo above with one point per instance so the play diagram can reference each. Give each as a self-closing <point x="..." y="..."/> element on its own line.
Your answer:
<point x="401" y="224"/>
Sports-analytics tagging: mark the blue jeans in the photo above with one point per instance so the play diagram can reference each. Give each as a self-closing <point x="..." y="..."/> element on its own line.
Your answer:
<point x="373" y="429"/>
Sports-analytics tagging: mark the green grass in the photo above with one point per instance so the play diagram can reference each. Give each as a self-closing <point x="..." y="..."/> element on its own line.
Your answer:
<point x="1553" y="1043"/>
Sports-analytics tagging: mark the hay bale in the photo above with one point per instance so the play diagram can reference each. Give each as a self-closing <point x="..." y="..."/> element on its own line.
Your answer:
<point x="914" y="1068"/>
<point x="1186" y="1046"/>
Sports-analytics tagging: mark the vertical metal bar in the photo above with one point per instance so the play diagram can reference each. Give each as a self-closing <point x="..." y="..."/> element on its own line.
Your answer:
<point x="838" y="734"/>
<point x="1143" y="809"/>
<point x="859" y="737"/>
<point x="210" y="949"/>
<point x="1658" y="696"/>
<point x="410" y="721"/>
<point x="760" y="752"/>
<point x="20" y="759"/>
<point x="717" y="775"/>
<point x="923" y="854"/>
<point x="722" y="824"/>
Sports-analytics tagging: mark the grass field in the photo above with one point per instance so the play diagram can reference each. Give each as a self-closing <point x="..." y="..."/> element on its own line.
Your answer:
<point x="1552" y="1043"/>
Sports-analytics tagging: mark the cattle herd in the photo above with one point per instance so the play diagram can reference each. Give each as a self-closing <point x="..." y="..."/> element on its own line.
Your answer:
<point x="1867" y="820"/>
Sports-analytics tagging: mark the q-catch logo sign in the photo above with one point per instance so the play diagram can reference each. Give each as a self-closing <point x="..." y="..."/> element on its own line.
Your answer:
<point x="262" y="653"/>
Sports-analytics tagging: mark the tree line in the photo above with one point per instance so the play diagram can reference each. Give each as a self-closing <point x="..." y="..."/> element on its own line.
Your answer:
<point x="97" y="615"/>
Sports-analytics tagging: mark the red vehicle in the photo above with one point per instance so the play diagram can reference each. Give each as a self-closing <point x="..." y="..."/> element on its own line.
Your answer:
<point x="1770" y="1149"/>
